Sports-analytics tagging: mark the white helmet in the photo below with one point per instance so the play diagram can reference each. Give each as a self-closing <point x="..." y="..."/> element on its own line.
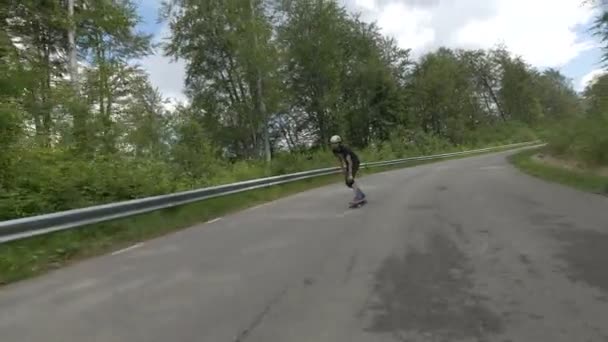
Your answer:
<point x="335" y="139"/>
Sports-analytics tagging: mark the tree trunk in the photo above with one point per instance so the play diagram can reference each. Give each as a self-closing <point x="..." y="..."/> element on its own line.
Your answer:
<point x="494" y="98"/>
<point x="78" y="111"/>
<point x="46" y="94"/>
<point x="72" y="47"/>
<point x="261" y="106"/>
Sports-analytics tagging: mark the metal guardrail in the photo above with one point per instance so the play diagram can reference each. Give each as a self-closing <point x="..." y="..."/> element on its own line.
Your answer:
<point x="43" y="224"/>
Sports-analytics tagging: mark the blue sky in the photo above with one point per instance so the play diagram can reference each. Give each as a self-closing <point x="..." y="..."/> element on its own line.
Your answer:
<point x="148" y="10"/>
<point x="549" y="33"/>
<point x="584" y="63"/>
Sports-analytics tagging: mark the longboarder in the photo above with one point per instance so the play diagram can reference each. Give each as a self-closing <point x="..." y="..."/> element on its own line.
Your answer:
<point x="349" y="162"/>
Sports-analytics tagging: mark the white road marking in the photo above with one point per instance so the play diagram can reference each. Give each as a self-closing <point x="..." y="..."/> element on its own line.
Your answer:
<point x="265" y="247"/>
<point x="128" y="248"/>
<point x="214" y="220"/>
<point x="83" y="284"/>
<point x="348" y="212"/>
<point x="258" y="206"/>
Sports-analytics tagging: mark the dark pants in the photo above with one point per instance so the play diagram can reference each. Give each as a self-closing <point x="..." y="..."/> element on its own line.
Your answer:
<point x="354" y="168"/>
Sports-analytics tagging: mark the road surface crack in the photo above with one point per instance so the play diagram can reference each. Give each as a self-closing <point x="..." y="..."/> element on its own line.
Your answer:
<point x="351" y="265"/>
<point x="242" y="336"/>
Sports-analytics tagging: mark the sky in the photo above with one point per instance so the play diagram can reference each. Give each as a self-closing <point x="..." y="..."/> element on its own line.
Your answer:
<point x="546" y="33"/>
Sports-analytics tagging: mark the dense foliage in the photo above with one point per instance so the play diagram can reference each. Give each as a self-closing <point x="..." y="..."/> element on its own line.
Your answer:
<point x="585" y="136"/>
<point x="267" y="81"/>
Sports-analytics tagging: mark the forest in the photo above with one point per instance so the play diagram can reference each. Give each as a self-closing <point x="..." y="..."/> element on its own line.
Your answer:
<point x="267" y="83"/>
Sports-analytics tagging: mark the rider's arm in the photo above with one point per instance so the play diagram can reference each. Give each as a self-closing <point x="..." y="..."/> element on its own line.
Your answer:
<point x="349" y="164"/>
<point x="342" y="167"/>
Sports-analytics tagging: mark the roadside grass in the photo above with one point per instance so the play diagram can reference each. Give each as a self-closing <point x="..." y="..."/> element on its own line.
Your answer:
<point x="583" y="179"/>
<point x="31" y="257"/>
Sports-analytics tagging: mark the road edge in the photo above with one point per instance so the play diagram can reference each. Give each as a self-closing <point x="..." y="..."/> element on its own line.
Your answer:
<point x="582" y="180"/>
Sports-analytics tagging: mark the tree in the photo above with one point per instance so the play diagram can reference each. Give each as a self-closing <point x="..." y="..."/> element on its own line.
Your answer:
<point x="517" y="91"/>
<point x="442" y="96"/>
<point x="107" y="37"/>
<point x="193" y="152"/>
<point x="145" y="120"/>
<point x="595" y="96"/>
<point x="11" y="113"/>
<point x="485" y="71"/>
<point x="311" y="39"/>
<point x="600" y="25"/>
<point x="376" y="88"/>
<point x="229" y="56"/>
<point x="557" y="97"/>
<point x="37" y="27"/>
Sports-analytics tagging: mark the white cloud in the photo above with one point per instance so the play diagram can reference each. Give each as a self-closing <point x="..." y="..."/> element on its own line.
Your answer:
<point x="541" y="31"/>
<point x="410" y="26"/>
<point x="168" y="76"/>
<point x="589" y="78"/>
<point x="164" y="73"/>
<point x="366" y="4"/>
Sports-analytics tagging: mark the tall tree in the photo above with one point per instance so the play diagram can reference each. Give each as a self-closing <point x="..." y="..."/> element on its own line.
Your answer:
<point x="600" y="24"/>
<point x="595" y="96"/>
<point x="229" y="55"/>
<point x="486" y="74"/>
<point x="311" y="37"/>
<point x="442" y="96"/>
<point x="108" y="39"/>
<point x="260" y="103"/>
<point x="517" y="91"/>
<point x="557" y="97"/>
<point x="38" y="28"/>
<point x="145" y="120"/>
<point x="372" y="81"/>
<point x="11" y="118"/>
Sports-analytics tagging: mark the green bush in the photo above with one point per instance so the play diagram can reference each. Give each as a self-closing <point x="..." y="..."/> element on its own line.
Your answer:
<point x="585" y="139"/>
<point x="498" y="134"/>
<point x="49" y="180"/>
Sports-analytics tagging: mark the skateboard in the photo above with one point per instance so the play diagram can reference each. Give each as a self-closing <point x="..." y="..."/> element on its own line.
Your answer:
<point x="357" y="204"/>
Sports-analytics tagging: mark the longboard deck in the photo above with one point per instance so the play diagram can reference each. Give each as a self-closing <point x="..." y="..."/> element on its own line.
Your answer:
<point x="354" y="205"/>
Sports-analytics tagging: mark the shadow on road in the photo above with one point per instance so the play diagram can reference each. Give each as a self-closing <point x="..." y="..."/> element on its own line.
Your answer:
<point x="585" y="254"/>
<point x="428" y="293"/>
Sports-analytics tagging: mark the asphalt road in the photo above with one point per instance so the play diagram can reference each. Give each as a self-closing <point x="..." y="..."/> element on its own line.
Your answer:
<point x="462" y="250"/>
